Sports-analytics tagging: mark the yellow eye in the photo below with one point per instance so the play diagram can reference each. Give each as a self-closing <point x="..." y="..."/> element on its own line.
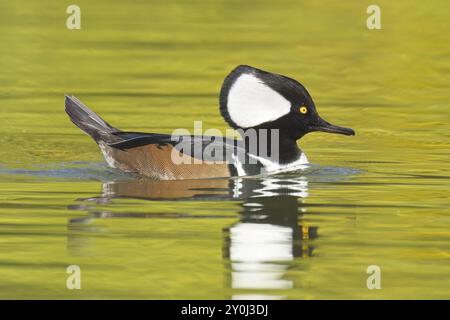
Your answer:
<point x="303" y="109"/>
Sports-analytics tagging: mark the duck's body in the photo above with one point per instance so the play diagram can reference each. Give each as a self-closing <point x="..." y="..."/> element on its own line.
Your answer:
<point x="152" y="157"/>
<point x="152" y="154"/>
<point x="175" y="157"/>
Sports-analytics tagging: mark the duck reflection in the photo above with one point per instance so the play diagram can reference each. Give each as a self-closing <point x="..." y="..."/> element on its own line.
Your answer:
<point x="268" y="236"/>
<point x="257" y="249"/>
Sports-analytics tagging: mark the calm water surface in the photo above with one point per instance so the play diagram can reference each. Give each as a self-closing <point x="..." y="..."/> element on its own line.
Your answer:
<point x="379" y="198"/>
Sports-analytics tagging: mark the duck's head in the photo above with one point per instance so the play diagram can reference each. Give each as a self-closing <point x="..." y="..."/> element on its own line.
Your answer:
<point x="253" y="98"/>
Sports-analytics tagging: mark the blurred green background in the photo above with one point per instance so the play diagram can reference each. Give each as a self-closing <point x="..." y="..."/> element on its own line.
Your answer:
<point x="158" y="65"/>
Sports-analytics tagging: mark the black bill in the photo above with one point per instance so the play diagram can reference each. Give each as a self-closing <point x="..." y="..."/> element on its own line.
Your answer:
<point x="328" y="127"/>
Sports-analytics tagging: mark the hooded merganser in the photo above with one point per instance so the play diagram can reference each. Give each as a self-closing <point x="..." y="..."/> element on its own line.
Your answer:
<point x="250" y="99"/>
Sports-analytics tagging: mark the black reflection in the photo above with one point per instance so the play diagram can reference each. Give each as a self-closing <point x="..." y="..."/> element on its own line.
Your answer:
<point x="257" y="249"/>
<point x="260" y="247"/>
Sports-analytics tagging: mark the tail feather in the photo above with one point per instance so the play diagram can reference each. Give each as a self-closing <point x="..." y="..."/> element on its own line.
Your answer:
<point x="88" y="121"/>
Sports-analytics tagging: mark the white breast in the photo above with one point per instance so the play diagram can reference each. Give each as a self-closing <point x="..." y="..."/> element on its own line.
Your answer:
<point x="274" y="167"/>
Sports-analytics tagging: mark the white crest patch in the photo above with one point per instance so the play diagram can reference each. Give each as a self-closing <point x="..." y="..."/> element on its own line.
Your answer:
<point x="251" y="102"/>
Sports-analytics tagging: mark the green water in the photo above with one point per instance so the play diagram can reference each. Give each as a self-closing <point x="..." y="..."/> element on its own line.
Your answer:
<point x="379" y="198"/>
